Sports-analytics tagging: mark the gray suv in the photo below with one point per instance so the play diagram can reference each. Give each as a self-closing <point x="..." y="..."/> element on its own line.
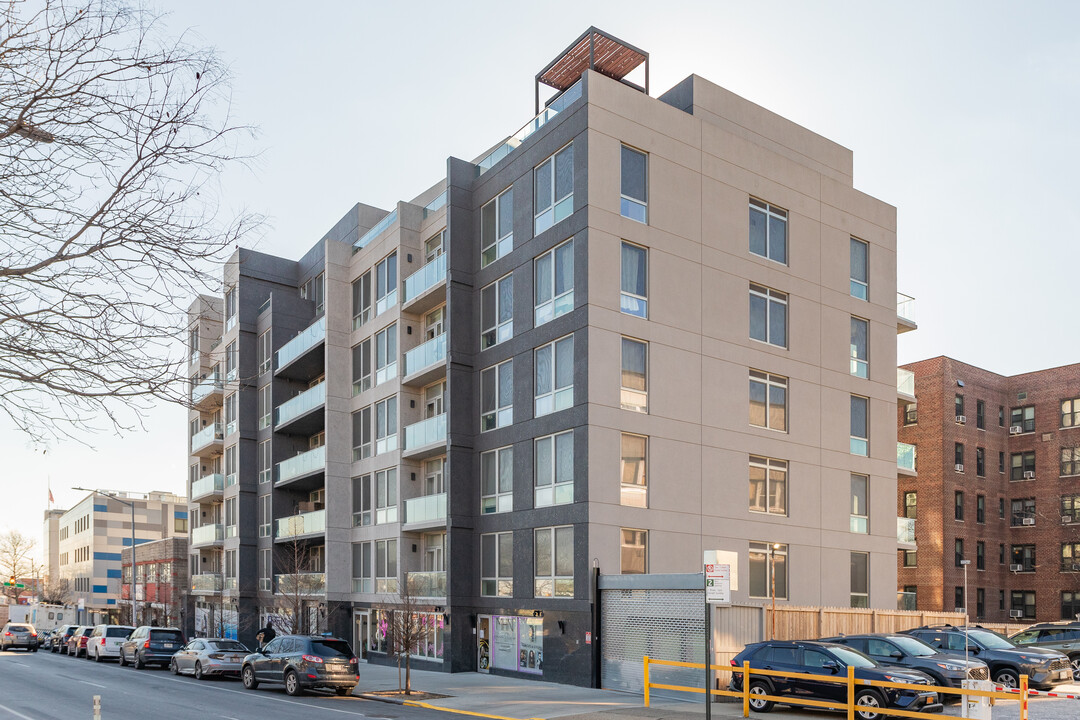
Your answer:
<point x="909" y="652"/>
<point x="1061" y="636"/>
<point x="1008" y="661"/>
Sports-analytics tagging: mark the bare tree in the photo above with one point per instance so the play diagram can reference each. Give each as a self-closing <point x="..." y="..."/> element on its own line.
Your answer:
<point x="406" y="627"/>
<point x="298" y="586"/>
<point x="15" y="560"/>
<point x="57" y="591"/>
<point x="111" y="134"/>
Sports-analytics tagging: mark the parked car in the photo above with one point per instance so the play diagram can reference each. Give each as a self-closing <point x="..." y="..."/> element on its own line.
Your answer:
<point x="1061" y="636"/>
<point x="1007" y="660"/>
<point x="151" y="646"/>
<point x="906" y="651"/>
<point x="302" y="662"/>
<point x="60" y="638"/>
<point x="105" y="641"/>
<point x="19" y="635"/>
<point x="76" y="642"/>
<point x="814" y="657"/>
<point x="45" y="640"/>
<point x="209" y="656"/>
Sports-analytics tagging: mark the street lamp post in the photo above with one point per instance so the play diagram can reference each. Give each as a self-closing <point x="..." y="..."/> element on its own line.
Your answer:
<point x="114" y="496"/>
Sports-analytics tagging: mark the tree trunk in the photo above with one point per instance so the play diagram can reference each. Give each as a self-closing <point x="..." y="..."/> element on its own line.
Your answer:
<point x="408" y="675"/>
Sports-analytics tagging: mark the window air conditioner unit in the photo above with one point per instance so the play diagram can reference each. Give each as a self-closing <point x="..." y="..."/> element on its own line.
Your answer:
<point x="1016" y="613"/>
<point x="1066" y="519"/>
<point x="1028" y="521"/>
<point x="959" y="468"/>
<point x="1016" y="568"/>
<point x="961" y="419"/>
<point x="1015" y="429"/>
<point x="1029" y="474"/>
<point x="958" y="610"/>
<point x="1075" y="567"/>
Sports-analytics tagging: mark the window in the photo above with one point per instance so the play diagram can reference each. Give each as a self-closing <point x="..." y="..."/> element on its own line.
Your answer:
<point x="386" y="496"/>
<point x="433" y="246"/>
<point x="232" y="358"/>
<point x="1001" y="508"/>
<point x="231" y="403"/>
<point x="980" y="555"/>
<point x="497" y="564"/>
<point x="361" y="300"/>
<point x="497" y="396"/>
<point x="860" y="347"/>
<point x="266" y="569"/>
<point x="1070" y="461"/>
<point x="1022" y="466"/>
<point x="230" y="465"/>
<point x="860" y="425"/>
<point x="264" y="352"/>
<point x="958" y="551"/>
<point x="911" y="413"/>
<point x="635" y="279"/>
<point x="958" y="456"/>
<point x="1024" y="556"/>
<point x="1024" y="601"/>
<point x="555" y="376"/>
<point x="1001" y="599"/>
<point x="1001" y="418"/>
<point x="553" y="189"/>
<point x="1001" y="462"/>
<point x="1070" y="605"/>
<point x="554" y="286"/>
<point x="958" y="505"/>
<point x="386" y="349"/>
<point x="1070" y="412"/>
<point x="980" y="414"/>
<point x="911" y="558"/>
<point x="497" y="312"/>
<point x="554" y="559"/>
<point x="386" y="566"/>
<point x="635" y="551"/>
<point x="386" y="284"/>
<point x="318" y="294"/>
<point x="497" y="228"/>
<point x="980" y="508"/>
<point x="768" y="315"/>
<point x="361" y="433"/>
<point x="860" y="269"/>
<point x="911" y="505"/>
<point x="634" y="394"/>
<point x="1022" y="509"/>
<point x="497" y="481"/>
<point x="361" y="367"/>
<point x="764" y="558"/>
<point x="958" y="598"/>
<point x="768" y="400"/>
<point x="980" y="603"/>
<point x="1070" y="557"/>
<point x="768" y="231"/>
<point x="634" y="489"/>
<point x="266" y="406"/>
<point x="193" y="344"/>
<point x="266" y="518"/>
<point x="386" y="425"/>
<point x="959" y="403"/>
<point x="860" y="580"/>
<point x="860" y="504"/>
<point x="230" y="517"/>
<point x="1070" y="508"/>
<point x="1023" y="418"/>
<point x="633" y="201"/>
<point x="980" y="462"/>
<point x="231" y="307"/>
<point x="555" y="469"/>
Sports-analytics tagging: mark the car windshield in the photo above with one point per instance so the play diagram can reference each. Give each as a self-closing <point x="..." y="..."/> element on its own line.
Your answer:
<point x="331" y="648"/>
<point x="990" y="640"/>
<point x="115" y="632"/>
<point x="166" y="636"/>
<point x="913" y="647"/>
<point x="228" y="645"/>
<point x="852" y="658"/>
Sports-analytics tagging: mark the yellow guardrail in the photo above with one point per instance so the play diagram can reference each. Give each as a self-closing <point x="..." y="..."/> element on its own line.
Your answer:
<point x="853" y="686"/>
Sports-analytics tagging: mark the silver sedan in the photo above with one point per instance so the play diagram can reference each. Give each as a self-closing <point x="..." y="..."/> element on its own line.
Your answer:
<point x="209" y="656"/>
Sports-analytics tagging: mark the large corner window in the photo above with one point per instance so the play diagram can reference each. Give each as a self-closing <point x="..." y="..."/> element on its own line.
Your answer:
<point x="497" y="312"/>
<point x="231" y="308"/>
<point x="768" y="231"/>
<point x="633" y="299"/>
<point x="553" y="189"/>
<point x="633" y="199"/>
<point x="497" y="228"/>
<point x="386" y="284"/>
<point x="554" y="283"/>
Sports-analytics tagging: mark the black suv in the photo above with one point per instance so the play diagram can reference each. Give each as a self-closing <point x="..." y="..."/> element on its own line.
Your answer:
<point x="60" y="637"/>
<point x="909" y="652"/>
<point x="149" y="645"/>
<point x="821" y="658"/>
<point x="1007" y="660"/>
<point x="301" y="662"/>
<point x="1061" y="636"/>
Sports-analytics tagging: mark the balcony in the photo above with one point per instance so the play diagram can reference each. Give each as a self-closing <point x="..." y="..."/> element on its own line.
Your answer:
<point x="905" y="313"/>
<point x="303" y="357"/>
<point x="425" y="512"/>
<point x="905" y="533"/>
<point x="303" y="412"/>
<point x="420" y="294"/>
<point x="310" y="523"/>
<point x="207" y="535"/>
<point x="208" y="392"/>
<point x="560" y="104"/>
<point x="905" y="459"/>
<point x="376" y="230"/>
<point x="426" y="363"/>
<point x="906" y="601"/>
<point x="427" y="584"/>
<point x="206" y="583"/>
<point x="301" y="584"/>
<point x="905" y="384"/>
<point x="425" y="438"/>
<point x="208" y="441"/>
<point x="207" y="487"/>
<point x="435" y="205"/>
<point x="308" y="464"/>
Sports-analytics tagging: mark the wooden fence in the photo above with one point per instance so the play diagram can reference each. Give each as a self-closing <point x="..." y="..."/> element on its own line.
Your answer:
<point x="804" y="623"/>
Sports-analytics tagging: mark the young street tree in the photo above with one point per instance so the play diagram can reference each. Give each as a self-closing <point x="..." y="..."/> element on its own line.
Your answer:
<point x="406" y="627"/>
<point x="299" y="587"/>
<point x="15" y="560"/>
<point x="111" y="134"/>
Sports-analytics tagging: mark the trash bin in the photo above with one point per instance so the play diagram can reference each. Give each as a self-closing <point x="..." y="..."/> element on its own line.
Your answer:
<point x="976" y="707"/>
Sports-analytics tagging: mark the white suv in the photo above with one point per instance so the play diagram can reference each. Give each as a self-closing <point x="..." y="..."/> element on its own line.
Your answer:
<point x="105" y="641"/>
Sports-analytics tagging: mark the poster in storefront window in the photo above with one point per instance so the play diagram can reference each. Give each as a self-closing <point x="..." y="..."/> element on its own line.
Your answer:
<point x="504" y="655"/>
<point x="531" y="645"/>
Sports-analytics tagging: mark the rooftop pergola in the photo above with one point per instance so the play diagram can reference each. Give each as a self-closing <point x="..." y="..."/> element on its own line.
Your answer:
<point x="593" y="50"/>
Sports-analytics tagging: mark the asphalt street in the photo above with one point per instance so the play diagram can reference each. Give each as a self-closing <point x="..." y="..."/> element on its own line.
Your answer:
<point x="43" y="686"/>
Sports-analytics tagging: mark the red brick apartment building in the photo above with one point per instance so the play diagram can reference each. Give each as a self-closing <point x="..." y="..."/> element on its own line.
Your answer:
<point x="998" y="483"/>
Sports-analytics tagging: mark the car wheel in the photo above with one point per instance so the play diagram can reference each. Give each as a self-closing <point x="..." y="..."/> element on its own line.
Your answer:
<point x="868" y="704"/>
<point x="173" y="668"/>
<point x="97" y="656"/>
<point x="292" y="684"/>
<point x="1007" y="678"/>
<point x="341" y="692"/>
<point x="121" y="659"/>
<point x="758" y="691"/>
<point x="198" y="671"/>
<point x="248" y="676"/>
<point x="1075" y="660"/>
<point x="137" y="662"/>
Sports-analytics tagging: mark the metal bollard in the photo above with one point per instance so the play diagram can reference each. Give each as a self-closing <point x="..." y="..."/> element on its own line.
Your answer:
<point x="97" y="707"/>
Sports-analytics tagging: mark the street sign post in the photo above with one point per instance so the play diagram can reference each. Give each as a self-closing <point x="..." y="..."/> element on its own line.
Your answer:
<point x="718" y="583"/>
<point x="717" y="592"/>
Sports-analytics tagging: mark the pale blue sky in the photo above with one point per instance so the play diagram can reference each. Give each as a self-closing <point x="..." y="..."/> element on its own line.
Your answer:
<point x="960" y="114"/>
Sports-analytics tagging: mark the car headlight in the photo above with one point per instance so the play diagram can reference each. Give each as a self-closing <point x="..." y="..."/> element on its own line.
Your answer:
<point x="950" y="666"/>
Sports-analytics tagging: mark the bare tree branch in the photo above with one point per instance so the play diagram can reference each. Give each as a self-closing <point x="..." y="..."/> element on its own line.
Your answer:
<point x="15" y="560"/>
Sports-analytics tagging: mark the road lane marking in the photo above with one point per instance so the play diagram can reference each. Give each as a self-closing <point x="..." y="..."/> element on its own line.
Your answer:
<point x="252" y="694"/>
<point x="87" y="682"/>
<point x="16" y="713"/>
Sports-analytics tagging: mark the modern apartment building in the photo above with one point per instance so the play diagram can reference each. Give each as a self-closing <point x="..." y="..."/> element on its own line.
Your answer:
<point x="93" y="532"/>
<point x="579" y="351"/>
<point x="50" y="545"/>
<point x="161" y="582"/>
<point x="998" y="484"/>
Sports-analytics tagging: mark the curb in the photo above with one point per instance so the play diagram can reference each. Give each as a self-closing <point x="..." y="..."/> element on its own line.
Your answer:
<point x="428" y="706"/>
<point x="380" y="698"/>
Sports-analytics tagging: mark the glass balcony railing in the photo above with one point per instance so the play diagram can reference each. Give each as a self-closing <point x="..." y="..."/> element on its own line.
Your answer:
<point x="905" y="307"/>
<point x="425" y="278"/>
<point x="435" y="205"/>
<point x="207" y="386"/>
<point x="306" y="339"/>
<point x="905" y="530"/>
<point x="303" y="524"/>
<point x="376" y="230"/>
<point x="430" y="584"/>
<point x="207" y="534"/>
<point x="426" y="432"/>
<point x="905" y="456"/>
<point x="208" y="485"/>
<point x="206" y="582"/>
<point x="906" y="601"/>
<point x="301" y="584"/>
<point x="562" y="102"/>
<point x="424" y="356"/>
<point x="303" y="403"/>
<point x="302" y="464"/>
<point x="429" y="508"/>
<point x="905" y="382"/>
<point x="208" y="435"/>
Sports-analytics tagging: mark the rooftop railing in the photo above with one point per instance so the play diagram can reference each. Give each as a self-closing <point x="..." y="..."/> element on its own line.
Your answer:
<point x="376" y="230"/>
<point x="562" y="102"/>
<point x="435" y="205"/>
